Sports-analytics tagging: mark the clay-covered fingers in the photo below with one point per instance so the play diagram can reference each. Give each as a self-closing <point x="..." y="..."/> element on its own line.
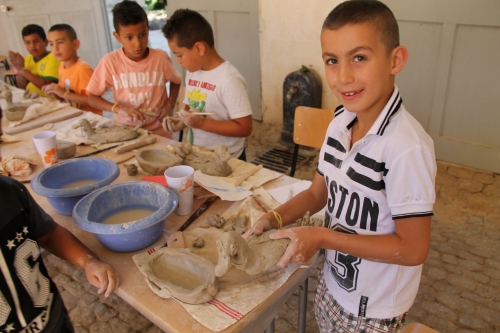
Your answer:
<point x="189" y="119"/>
<point x="302" y="245"/>
<point x="171" y="124"/>
<point x="258" y="228"/>
<point x="131" y="114"/>
<point x="16" y="60"/>
<point x="101" y="275"/>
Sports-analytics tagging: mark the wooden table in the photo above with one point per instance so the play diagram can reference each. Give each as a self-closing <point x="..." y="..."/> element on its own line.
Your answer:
<point x="167" y="314"/>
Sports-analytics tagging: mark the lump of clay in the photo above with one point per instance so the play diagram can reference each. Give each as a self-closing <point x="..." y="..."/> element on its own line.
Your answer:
<point x="215" y="220"/>
<point x="209" y="164"/>
<point x="131" y="169"/>
<point x="178" y="273"/>
<point x="65" y="149"/>
<point x="308" y="221"/>
<point x="115" y="133"/>
<point x="156" y="161"/>
<point x="239" y="224"/>
<point x="259" y="255"/>
<point x="199" y="242"/>
<point x="30" y="95"/>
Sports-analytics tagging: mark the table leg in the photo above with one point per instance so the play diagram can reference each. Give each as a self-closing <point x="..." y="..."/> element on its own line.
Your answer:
<point x="270" y="328"/>
<point x="301" y="326"/>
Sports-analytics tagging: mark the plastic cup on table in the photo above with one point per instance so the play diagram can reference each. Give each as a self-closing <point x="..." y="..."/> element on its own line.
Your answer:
<point x="180" y="179"/>
<point x="46" y="145"/>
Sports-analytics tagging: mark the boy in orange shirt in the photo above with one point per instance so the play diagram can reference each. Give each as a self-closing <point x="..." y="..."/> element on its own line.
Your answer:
<point x="137" y="73"/>
<point x="74" y="73"/>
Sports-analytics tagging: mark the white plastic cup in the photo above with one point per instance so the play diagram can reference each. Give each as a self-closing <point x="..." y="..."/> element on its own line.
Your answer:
<point x="46" y="145"/>
<point x="180" y="179"/>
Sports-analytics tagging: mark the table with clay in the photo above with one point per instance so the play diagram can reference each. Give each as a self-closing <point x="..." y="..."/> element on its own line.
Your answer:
<point x="168" y="314"/>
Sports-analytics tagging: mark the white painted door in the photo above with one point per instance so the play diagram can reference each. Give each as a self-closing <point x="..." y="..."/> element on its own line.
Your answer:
<point x="84" y="16"/>
<point x="236" y="30"/>
<point x="451" y="83"/>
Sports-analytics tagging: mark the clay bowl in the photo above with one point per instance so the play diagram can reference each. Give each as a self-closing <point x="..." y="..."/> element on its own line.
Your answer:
<point x="156" y="161"/>
<point x="178" y="273"/>
<point x="15" y="113"/>
<point x="96" y="172"/>
<point x="93" y="209"/>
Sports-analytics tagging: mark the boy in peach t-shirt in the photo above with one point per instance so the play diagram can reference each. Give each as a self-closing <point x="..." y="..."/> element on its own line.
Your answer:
<point x="136" y="73"/>
<point x="74" y="73"/>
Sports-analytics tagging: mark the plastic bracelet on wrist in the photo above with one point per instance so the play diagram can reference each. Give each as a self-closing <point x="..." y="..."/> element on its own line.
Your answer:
<point x="113" y="107"/>
<point x="67" y="92"/>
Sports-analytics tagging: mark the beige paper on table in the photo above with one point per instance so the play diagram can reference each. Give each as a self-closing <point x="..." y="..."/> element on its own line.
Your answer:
<point x="221" y="188"/>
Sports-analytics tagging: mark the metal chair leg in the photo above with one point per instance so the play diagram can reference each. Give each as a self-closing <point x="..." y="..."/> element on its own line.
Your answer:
<point x="301" y="326"/>
<point x="270" y="328"/>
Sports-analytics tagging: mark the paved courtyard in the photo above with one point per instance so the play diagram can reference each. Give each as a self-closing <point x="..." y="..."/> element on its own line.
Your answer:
<point x="460" y="288"/>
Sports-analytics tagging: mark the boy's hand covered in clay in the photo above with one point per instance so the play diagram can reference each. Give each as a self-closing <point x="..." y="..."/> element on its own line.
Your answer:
<point x="17" y="60"/>
<point x="259" y="227"/>
<point x="131" y="114"/>
<point x="189" y="119"/>
<point x="171" y="124"/>
<point x="102" y="276"/>
<point x="301" y="248"/>
<point x="54" y="89"/>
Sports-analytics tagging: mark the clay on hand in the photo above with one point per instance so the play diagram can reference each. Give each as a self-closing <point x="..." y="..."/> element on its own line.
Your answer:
<point x="308" y="221"/>
<point x="259" y="255"/>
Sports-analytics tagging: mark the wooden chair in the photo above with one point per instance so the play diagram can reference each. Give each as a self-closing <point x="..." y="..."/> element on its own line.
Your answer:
<point x="417" y="328"/>
<point x="309" y="129"/>
<point x="11" y="76"/>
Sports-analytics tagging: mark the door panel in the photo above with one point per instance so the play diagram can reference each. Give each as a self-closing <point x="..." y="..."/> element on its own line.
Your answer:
<point x="84" y="16"/>
<point x="452" y="80"/>
<point x="236" y="31"/>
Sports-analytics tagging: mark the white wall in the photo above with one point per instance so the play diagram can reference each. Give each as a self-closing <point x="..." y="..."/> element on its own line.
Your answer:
<point x="289" y="38"/>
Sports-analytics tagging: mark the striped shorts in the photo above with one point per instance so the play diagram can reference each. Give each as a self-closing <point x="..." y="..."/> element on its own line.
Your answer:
<point x="332" y="317"/>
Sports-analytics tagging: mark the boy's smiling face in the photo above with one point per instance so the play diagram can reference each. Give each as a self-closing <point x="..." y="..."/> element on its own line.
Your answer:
<point x="134" y="39"/>
<point x="359" y="69"/>
<point x="62" y="47"/>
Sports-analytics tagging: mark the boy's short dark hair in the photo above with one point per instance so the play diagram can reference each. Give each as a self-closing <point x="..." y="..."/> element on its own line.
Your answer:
<point x="31" y="29"/>
<point x="188" y="27"/>
<point x="70" y="32"/>
<point x="128" y="13"/>
<point x="366" y="11"/>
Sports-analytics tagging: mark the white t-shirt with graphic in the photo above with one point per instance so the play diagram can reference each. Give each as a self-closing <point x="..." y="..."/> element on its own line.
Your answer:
<point x="221" y="90"/>
<point x="388" y="174"/>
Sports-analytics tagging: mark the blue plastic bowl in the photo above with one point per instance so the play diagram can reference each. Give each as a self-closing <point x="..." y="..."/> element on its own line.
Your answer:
<point x="131" y="236"/>
<point x="49" y="182"/>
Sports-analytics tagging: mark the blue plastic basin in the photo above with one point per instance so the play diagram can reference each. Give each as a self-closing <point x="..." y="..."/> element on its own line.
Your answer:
<point x="131" y="236"/>
<point x="48" y="183"/>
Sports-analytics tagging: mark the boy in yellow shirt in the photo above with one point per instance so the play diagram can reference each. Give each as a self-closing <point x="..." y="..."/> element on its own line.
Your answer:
<point x="40" y="67"/>
<point x="74" y="73"/>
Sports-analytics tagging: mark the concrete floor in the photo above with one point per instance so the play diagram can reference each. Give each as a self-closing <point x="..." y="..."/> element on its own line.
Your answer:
<point x="460" y="287"/>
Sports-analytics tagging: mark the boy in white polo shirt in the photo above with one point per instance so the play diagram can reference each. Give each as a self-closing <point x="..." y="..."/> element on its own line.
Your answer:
<point x="376" y="175"/>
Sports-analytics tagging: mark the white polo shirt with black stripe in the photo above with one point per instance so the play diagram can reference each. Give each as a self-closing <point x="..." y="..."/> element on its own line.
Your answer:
<point x="388" y="174"/>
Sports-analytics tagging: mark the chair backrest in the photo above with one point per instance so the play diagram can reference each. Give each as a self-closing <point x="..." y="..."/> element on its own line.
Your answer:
<point x="310" y="125"/>
<point x="417" y="328"/>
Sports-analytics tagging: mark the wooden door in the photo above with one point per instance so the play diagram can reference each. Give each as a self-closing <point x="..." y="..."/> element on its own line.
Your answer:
<point x="84" y="16"/>
<point x="451" y="83"/>
<point x="236" y="28"/>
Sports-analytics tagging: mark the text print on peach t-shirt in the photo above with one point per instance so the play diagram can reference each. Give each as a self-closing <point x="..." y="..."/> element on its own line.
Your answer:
<point x="139" y="85"/>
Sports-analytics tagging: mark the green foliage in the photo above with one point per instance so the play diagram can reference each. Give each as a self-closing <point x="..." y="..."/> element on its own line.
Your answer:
<point x="155" y="4"/>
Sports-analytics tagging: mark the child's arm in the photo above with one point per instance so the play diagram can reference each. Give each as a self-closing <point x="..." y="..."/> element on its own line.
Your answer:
<point x="239" y="127"/>
<point x="408" y="246"/>
<point x="60" y="92"/>
<point x="62" y="243"/>
<point x="100" y="103"/>
<point x="172" y="99"/>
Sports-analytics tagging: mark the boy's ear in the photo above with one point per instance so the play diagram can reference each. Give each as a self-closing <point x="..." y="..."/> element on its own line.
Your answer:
<point x="200" y="48"/>
<point x="399" y="59"/>
<point x="117" y="36"/>
<point x="76" y="44"/>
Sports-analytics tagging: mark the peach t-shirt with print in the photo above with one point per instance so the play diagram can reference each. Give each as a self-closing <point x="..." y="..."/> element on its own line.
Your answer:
<point x="139" y="85"/>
